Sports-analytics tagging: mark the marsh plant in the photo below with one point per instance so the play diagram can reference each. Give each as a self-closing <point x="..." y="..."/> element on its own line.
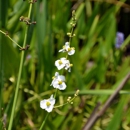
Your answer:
<point x="43" y="64"/>
<point x="58" y="80"/>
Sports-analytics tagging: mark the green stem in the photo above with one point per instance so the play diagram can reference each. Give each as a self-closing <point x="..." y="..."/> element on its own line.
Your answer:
<point x="43" y="123"/>
<point x="55" y="93"/>
<point x="1" y="74"/>
<point x="19" y="74"/>
<point x="11" y="39"/>
<point x="66" y="103"/>
<point x="1" y="81"/>
<point x="61" y="105"/>
<point x="72" y="31"/>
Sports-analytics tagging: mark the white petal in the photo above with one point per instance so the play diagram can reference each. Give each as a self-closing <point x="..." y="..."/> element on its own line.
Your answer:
<point x="49" y="109"/>
<point x="53" y="81"/>
<point x="69" y="70"/>
<point x="51" y="98"/>
<point x="62" y="78"/>
<point x="56" y="74"/>
<point x="67" y="66"/>
<point x="67" y="47"/>
<point x="71" y="52"/>
<point x="62" y="86"/>
<point x="57" y="63"/>
<point x="59" y="66"/>
<point x="43" y="104"/>
<point x="55" y="77"/>
<point x="52" y="101"/>
<point x="61" y="50"/>
<point x="67" y="44"/>
<point x="63" y="59"/>
<point x="55" y="84"/>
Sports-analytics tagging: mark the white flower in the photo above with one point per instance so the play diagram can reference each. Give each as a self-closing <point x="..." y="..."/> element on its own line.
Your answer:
<point x="48" y="104"/>
<point x="67" y="48"/>
<point x="68" y="66"/>
<point x="59" y="82"/>
<point x="54" y="78"/>
<point x="60" y="63"/>
<point x="63" y="63"/>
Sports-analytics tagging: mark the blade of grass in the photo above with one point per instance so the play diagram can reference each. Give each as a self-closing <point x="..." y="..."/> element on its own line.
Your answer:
<point x="116" y="120"/>
<point x="1" y="75"/>
<point x="97" y="92"/>
<point x="41" y="33"/>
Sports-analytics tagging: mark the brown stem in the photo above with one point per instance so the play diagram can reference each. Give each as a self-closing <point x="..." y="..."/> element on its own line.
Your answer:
<point x="98" y="113"/>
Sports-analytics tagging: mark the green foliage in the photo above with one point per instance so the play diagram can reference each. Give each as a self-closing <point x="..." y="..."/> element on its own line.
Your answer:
<point x="97" y="64"/>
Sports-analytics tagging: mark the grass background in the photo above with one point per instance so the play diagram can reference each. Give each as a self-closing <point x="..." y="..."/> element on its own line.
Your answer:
<point x="98" y="66"/>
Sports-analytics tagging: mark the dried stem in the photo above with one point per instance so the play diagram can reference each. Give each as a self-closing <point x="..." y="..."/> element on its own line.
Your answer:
<point x="98" y="113"/>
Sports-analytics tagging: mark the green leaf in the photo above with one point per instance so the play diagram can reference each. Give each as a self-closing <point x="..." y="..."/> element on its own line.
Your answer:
<point x="116" y="120"/>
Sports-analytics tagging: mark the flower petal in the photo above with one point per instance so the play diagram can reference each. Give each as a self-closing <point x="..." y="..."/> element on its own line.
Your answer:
<point x="43" y="104"/>
<point x="49" y="109"/>
<point x="62" y="86"/>
<point x="71" y="52"/>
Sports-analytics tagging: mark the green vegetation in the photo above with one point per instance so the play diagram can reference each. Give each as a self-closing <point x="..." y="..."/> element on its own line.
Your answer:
<point x="99" y="68"/>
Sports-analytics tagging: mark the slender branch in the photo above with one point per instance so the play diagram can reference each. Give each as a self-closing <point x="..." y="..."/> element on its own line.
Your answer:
<point x="19" y="74"/>
<point x="10" y="38"/>
<point x="98" y="113"/>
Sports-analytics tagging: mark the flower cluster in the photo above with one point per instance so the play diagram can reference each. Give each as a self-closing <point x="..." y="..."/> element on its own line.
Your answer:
<point x="58" y="81"/>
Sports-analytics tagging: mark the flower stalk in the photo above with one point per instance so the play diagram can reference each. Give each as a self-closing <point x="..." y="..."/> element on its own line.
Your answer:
<point x="19" y="74"/>
<point x="58" y="81"/>
<point x="7" y="35"/>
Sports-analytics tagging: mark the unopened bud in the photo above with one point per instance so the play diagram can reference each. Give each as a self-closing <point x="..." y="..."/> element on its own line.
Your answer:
<point x="73" y="13"/>
<point x="68" y="99"/>
<point x="73" y="35"/>
<point x="69" y="34"/>
<point x="76" y="94"/>
<point x="71" y="102"/>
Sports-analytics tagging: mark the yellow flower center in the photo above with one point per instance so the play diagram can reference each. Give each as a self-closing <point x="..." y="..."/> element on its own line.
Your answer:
<point x="71" y="65"/>
<point x="60" y="62"/>
<point x="59" y="82"/>
<point x="48" y="104"/>
<point x="69" y="49"/>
